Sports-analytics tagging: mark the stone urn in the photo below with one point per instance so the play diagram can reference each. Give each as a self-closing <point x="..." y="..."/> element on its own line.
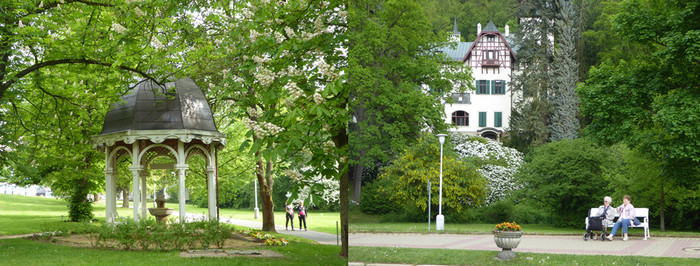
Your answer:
<point x="161" y="213"/>
<point x="507" y="241"/>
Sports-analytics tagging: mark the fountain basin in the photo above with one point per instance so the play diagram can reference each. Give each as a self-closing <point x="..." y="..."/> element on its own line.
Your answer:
<point x="161" y="214"/>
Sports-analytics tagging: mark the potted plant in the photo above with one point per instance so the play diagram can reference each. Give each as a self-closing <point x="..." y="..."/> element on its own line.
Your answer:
<point x="507" y="237"/>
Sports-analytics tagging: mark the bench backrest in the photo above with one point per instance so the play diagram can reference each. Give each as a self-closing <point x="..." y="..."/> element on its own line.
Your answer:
<point x="640" y="212"/>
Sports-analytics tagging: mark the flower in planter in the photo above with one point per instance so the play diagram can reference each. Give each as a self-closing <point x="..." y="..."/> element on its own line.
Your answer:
<point x="506" y="226"/>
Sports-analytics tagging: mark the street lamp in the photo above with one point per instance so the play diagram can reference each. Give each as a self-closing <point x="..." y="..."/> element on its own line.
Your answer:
<point x="256" y="198"/>
<point x="440" y="219"/>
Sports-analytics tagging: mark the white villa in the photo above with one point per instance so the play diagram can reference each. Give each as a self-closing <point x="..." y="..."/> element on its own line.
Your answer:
<point x="486" y="111"/>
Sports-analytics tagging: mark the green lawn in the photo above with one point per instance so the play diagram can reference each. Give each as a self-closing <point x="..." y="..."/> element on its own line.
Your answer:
<point x="372" y="224"/>
<point x="27" y="252"/>
<point x="416" y="256"/>
<point x="22" y="214"/>
<point x="317" y="221"/>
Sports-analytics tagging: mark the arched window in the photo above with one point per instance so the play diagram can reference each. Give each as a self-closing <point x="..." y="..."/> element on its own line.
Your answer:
<point x="460" y="118"/>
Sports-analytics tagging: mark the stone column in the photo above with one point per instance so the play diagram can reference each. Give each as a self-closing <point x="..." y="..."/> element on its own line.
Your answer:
<point x="181" y="168"/>
<point x="136" y="190"/>
<point x="109" y="194"/>
<point x="144" y="191"/>
<point x="211" y="193"/>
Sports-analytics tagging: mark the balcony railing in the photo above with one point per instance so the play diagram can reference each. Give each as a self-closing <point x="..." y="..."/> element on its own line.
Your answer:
<point x="490" y="62"/>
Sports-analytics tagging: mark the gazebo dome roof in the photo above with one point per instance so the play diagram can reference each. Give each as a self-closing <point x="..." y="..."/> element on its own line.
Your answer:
<point x="180" y="105"/>
<point x="176" y="111"/>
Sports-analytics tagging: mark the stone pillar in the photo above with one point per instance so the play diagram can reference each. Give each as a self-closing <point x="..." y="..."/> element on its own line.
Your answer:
<point x="144" y="191"/>
<point x="109" y="195"/>
<point x="211" y="193"/>
<point x="136" y="190"/>
<point x="181" y="168"/>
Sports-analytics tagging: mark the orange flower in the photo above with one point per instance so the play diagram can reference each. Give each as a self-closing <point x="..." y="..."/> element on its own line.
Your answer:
<point x="506" y="226"/>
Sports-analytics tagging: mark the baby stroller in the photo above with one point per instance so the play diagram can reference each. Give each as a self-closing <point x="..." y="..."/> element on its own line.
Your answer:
<point x="594" y="223"/>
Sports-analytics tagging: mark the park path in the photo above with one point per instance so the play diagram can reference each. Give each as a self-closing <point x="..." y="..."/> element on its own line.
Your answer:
<point x="636" y="246"/>
<point x="320" y="237"/>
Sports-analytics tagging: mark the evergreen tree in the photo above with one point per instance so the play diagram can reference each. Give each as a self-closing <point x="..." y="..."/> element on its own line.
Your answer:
<point x="565" y="124"/>
<point x="532" y="112"/>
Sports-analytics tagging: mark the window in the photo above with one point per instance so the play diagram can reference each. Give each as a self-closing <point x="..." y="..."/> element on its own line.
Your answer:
<point x="499" y="87"/>
<point x="482" y="87"/>
<point x="497" y="119"/>
<point x="460" y="118"/>
<point x="490" y="54"/>
<point x="490" y="38"/>
<point x="482" y="119"/>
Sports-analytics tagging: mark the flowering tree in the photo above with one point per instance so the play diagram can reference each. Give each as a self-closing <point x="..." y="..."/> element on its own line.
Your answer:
<point x="498" y="164"/>
<point x="277" y="64"/>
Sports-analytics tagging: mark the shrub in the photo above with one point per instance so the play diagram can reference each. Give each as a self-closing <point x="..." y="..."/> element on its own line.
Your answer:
<point x="565" y="178"/>
<point x="375" y="200"/>
<point x="497" y="163"/>
<point x="407" y="179"/>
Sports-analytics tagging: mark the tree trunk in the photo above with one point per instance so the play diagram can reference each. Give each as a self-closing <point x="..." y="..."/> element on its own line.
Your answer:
<point x="344" y="182"/>
<point x="661" y="214"/>
<point x="268" y="205"/>
<point x="357" y="178"/>
<point x="125" y="196"/>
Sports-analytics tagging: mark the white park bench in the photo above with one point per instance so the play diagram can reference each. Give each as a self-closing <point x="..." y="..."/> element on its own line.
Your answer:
<point x="642" y="215"/>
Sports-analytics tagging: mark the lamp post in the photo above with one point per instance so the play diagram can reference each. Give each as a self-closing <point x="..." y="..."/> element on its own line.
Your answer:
<point x="256" y="199"/>
<point x="440" y="219"/>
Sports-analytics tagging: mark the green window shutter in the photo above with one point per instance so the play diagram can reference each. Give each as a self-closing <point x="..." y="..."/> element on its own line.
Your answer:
<point x="482" y="119"/>
<point x="493" y="87"/>
<point x="497" y="119"/>
<point x="477" y="87"/>
<point x="504" y="86"/>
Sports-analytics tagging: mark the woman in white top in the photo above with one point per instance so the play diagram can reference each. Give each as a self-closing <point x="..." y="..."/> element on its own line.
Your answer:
<point x="606" y="211"/>
<point x="627" y="216"/>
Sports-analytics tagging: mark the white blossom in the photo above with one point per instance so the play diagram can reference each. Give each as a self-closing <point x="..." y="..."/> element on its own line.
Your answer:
<point x="20" y="24"/>
<point x="272" y="129"/>
<point x="156" y="43"/>
<point x="253" y="112"/>
<point x="499" y="175"/>
<point x="289" y="31"/>
<point x="264" y="76"/>
<point x="118" y="28"/>
<point x="138" y="11"/>
<point x="261" y="60"/>
<point x="294" y="91"/>
<point x="247" y="13"/>
<point x="318" y="98"/>
<point x="279" y="37"/>
<point x="293" y="174"/>
<point x="254" y="35"/>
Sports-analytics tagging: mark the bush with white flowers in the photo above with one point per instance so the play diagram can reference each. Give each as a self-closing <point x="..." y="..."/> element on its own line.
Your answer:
<point x="497" y="163"/>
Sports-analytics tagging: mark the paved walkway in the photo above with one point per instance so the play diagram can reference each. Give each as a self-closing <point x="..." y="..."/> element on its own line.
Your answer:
<point x="320" y="237"/>
<point x="636" y="246"/>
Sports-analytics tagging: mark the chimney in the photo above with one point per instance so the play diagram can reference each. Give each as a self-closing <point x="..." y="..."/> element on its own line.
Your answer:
<point x="507" y="30"/>
<point x="478" y="29"/>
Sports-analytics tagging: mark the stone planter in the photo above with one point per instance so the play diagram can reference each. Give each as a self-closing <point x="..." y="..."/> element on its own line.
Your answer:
<point x="507" y="240"/>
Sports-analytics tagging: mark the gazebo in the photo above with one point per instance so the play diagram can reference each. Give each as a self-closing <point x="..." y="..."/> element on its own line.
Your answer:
<point x="152" y="121"/>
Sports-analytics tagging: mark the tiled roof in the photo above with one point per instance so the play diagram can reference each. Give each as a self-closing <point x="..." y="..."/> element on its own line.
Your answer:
<point x="457" y="52"/>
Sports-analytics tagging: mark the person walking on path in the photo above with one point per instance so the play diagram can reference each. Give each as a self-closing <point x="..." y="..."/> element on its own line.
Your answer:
<point x="627" y="216"/>
<point x="290" y="216"/>
<point x="302" y="215"/>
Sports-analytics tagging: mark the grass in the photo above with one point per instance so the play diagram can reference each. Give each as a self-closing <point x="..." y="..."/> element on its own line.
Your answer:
<point x="417" y="256"/>
<point x="22" y="214"/>
<point x="317" y="221"/>
<point x="27" y="252"/>
<point x="372" y="224"/>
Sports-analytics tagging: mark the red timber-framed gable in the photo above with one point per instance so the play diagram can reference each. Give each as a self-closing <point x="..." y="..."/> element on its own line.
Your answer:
<point x="490" y="52"/>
